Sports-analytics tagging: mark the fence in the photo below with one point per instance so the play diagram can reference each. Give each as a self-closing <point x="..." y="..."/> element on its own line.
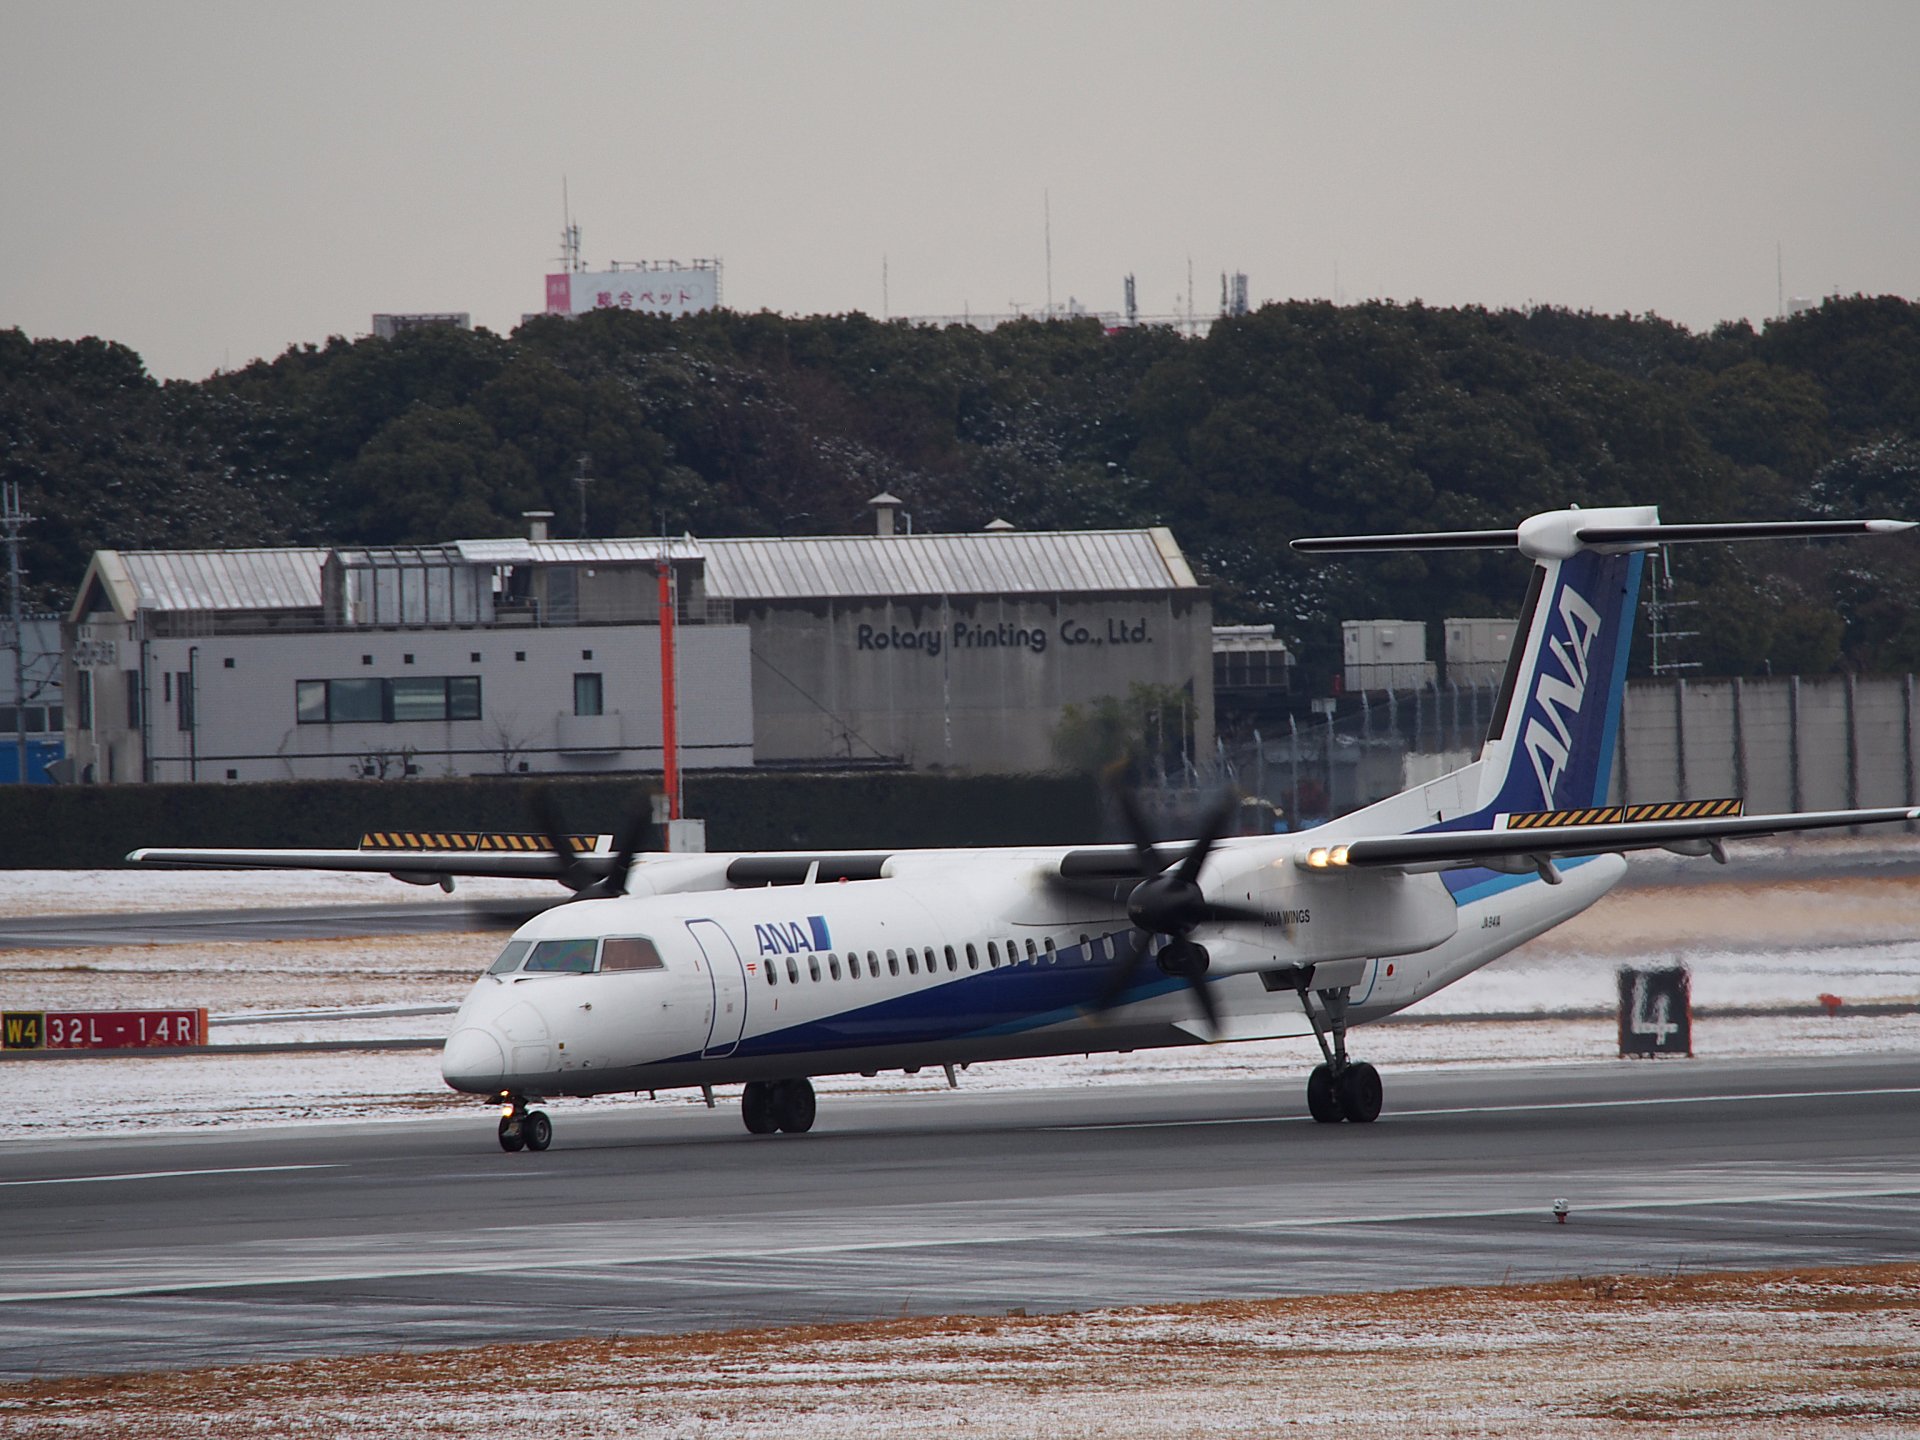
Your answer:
<point x="1781" y="743"/>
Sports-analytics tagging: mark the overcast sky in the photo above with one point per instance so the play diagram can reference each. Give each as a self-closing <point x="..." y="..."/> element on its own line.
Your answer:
<point x="212" y="182"/>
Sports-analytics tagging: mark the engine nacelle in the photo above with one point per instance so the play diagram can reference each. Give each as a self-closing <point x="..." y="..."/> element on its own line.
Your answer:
<point x="1346" y="915"/>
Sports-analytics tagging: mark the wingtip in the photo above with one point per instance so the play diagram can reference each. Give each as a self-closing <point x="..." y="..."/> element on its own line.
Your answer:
<point x="1890" y="527"/>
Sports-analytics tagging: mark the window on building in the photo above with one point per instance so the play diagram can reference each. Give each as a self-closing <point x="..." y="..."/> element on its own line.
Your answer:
<point x="9" y="720"/>
<point x="132" y="678"/>
<point x="587" y="698"/>
<point x="182" y="699"/>
<point x="83" y="700"/>
<point x="371" y="701"/>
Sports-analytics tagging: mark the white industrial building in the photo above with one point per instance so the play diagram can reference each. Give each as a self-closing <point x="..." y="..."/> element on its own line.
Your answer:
<point x="537" y="655"/>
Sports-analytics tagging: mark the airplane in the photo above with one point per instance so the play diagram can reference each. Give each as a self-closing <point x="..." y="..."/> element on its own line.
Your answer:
<point x="768" y="969"/>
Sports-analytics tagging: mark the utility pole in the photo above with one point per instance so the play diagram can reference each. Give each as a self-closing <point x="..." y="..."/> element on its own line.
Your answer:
<point x="13" y="519"/>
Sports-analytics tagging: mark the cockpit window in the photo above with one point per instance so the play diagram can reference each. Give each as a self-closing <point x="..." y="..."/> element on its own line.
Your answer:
<point x="510" y="957"/>
<point x="634" y="952"/>
<point x="570" y="956"/>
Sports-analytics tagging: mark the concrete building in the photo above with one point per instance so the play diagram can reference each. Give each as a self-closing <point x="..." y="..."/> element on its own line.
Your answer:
<point x="470" y="658"/>
<point x="536" y="655"/>
<point x="958" y="651"/>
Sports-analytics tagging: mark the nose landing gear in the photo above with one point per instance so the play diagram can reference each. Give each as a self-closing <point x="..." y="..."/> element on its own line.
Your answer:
<point x="521" y="1128"/>
<point x="770" y="1105"/>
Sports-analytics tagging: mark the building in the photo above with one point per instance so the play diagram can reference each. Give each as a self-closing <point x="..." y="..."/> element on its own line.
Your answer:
<point x="1385" y="655"/>
<point x="535" y="655"/>
<point x="957" y="651"/>
<point x="32" y="701"/>
<point x="469" y="658"/>
<point x="1252" y="677"/>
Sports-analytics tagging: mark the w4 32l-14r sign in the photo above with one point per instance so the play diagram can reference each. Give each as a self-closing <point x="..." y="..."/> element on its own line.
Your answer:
<point x="101" y="1029"/>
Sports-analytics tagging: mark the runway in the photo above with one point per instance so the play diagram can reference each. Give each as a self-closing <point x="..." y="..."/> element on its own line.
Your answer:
<point x="257" y="1245"/>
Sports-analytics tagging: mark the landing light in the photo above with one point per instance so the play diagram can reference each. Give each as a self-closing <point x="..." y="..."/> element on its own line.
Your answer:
<point x="1317" y="857"/>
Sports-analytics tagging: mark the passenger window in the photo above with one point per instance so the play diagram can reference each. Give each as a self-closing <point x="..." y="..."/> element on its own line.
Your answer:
<point x="572" y="957"/>
<point x="973" y="957"/>
<point x="853" y="964"/>
<point x="873" y="965"/>
<point x="1052" y="954"/>
<point x="510" y="957"/>
<point x="813" y="966"/>
<point x="793" y="971"/>
<point x="634" y="953"/>
<point x="993" y="955"/>
<point x="1013" y="952"/>
<point x="773" y="972"/>
<point x="913" y="963"/>
<point x="833" y="966"/>
<point x="953" y="960"/>
<point x="1033" y="952"/>
<point x="893" y="963"/>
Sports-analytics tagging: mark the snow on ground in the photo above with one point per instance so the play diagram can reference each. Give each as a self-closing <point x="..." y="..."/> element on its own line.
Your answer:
<point x="1820" y="1353"/>
<point x="1761" y="943"/>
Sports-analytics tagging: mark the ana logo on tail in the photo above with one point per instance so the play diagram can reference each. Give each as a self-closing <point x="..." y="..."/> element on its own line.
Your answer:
<point x="1549" y="741"/>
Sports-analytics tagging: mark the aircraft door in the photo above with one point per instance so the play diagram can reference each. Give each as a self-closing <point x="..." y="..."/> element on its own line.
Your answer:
<point x="727" y="974"/>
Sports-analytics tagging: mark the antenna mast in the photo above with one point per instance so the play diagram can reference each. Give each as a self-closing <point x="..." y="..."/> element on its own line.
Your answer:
<point x="13" y="518"/>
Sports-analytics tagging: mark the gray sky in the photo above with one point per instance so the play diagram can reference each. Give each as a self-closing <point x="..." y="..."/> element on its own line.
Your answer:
<point x="213" y="182"/>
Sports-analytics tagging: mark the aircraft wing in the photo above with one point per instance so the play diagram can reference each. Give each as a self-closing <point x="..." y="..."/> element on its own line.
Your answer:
<point x="1520" y="840"/>
<point x="427" y="866"/>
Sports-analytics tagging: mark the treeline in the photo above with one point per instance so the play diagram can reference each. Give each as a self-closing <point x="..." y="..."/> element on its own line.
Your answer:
<point x="1301" y="418"/>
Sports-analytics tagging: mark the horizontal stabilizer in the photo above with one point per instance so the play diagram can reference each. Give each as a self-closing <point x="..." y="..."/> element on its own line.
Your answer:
<point x="1600" y="536"/>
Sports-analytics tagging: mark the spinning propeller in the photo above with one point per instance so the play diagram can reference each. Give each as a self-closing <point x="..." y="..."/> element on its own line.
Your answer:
<point x="1167" y="902"/>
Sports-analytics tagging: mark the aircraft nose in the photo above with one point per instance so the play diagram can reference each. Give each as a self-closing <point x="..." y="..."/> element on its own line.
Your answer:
<point x="473" y="1060"/>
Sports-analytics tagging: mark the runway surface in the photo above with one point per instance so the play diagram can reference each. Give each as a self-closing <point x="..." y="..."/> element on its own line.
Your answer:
<point x="287" y="922"/>
<point x="220" y="1248"/>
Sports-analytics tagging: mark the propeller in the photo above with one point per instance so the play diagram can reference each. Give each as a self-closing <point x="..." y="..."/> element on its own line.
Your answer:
<point x="568" y="867"/>
<point x="1167" y="902"/>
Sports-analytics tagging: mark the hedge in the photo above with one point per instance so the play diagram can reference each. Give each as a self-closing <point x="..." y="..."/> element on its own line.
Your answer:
<point x="94" y="826"/>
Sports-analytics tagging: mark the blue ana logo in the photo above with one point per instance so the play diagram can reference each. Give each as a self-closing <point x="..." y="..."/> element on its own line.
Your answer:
<point x="1557" y="698"/>
<point x="791" y="937"/>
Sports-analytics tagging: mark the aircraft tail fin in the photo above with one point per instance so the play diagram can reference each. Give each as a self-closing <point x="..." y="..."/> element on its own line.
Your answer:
<point x="1555" y="725"/>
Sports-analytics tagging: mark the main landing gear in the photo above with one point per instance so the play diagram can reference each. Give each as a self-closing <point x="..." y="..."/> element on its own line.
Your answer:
<point x="521" y="1128"/>
<point x="770" y="1105"/>
<point x="1339" y="1089"/>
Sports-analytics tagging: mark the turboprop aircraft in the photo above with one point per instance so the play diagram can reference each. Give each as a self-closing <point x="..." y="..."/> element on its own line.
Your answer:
<point x="768" y="969"/>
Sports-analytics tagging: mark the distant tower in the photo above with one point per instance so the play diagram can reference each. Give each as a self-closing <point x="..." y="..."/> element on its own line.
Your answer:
<point x="1133" y="304"/>
<point x="1237" y="304"/>
<point x="570" y="260"/>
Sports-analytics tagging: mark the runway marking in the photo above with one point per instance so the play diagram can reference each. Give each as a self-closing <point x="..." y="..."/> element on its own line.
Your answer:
<point x="164" y="1174"/>
<point x="753" y="1249"/>
<point x="1501" y="1109"/>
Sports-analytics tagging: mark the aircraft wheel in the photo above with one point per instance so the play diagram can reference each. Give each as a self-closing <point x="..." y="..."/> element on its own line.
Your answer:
<point x="512" y="1137"/>
<point x="1360" y="1093"/>
<point x="537" y="1130"/>
<point x="794" y="1106"/>
<point x="757" y="1108"/>
<point x="1322" y="1103"/>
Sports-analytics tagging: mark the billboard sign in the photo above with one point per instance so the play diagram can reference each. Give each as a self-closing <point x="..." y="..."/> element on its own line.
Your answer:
<point x="663" y="291"/>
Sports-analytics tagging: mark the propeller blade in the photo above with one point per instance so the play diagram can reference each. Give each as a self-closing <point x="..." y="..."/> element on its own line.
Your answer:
<point x="633" y="840"/>
<point x="553" y="827"/>
<point x="1222" y="912"/>
<point x="1203" y="997"/>
<point x="1138" y="832"/>
<point x="1121" y="981"/>
<point x="1212" y="827"/>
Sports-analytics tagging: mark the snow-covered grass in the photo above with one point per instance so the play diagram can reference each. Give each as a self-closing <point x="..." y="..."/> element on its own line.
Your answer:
<point x="1827" y="1353"/>
<point x="1764" y="943"/>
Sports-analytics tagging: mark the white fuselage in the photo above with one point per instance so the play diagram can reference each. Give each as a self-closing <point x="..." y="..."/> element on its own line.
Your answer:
<point x="963" y="957"/>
